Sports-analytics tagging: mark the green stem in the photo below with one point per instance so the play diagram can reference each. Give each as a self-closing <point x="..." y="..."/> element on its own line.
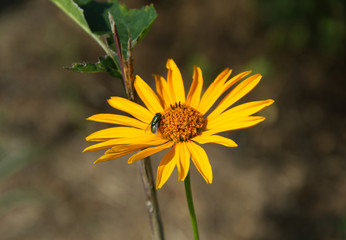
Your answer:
<point x="190" y="205"/>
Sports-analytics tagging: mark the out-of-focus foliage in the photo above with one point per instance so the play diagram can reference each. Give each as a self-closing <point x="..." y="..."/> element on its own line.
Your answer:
<point x="302" y="25"/>
<point x="12" y="162"/>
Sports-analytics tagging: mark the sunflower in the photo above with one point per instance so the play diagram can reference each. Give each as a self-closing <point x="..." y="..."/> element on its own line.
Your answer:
<point x="178" y="123"/>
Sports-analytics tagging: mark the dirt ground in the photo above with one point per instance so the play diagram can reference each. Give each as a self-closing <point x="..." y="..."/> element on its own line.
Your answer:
<point x="286" y="180"/>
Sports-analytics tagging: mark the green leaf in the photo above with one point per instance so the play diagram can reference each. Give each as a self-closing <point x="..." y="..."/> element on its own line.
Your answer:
<point x="73" y="11"/>
<point x="105" y="64"/>
<point x="92" y="16"/>
<point x="135" y="22"/>
<point x="77" y="14"/>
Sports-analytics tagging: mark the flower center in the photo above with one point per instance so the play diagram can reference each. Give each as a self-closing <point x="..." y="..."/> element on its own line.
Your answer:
<point x="180" y="123"/>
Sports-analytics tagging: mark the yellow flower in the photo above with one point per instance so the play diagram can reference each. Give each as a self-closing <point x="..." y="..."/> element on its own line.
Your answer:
<point x="177" y="122"/>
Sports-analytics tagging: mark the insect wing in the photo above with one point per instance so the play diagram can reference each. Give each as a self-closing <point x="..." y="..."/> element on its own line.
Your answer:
<point x="154" y="128"/>
<point x="148" y="128"/>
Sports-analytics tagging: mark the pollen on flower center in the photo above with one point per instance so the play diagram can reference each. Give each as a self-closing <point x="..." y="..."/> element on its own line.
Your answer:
<point x="180" y="123"/>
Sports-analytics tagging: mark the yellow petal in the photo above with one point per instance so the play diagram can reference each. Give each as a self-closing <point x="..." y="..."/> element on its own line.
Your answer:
<point x="240" y="111"/>
<point x="238" y="92"/>
<point x="183" y="164"/>
<point x="163" y="91"/>
<point x="108" y="157"/>
<point x="148" y="96"/>
<point x="175" y="82"/>
<point x="194" y="96"/>
<point x="236" y="124"/>
<point x="166" y="167"/>
<point x="149" y="139"/>
<point x="132" y="108"/>
<point x="159" y="88"/>
<point x="200" y="159"/>
<point x="115" y="132"/>
<point x="122" y="148"/>
<point x="235" y="79"/>
<point x="202" y="139"/>
<point x="119" y="151"/>
<point x="214" y="91"/>
<point x="149" y="151"/>
<point x="118" y="119"/>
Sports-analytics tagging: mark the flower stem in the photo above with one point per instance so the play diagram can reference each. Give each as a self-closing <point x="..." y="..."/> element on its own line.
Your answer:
<point x="190" y="205"/>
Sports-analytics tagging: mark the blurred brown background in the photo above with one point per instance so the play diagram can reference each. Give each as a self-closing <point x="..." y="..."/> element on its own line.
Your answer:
<point x="287" y="178"/>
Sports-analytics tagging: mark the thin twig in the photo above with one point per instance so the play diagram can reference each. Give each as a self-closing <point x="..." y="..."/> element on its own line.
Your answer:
<point x="117" y="46"/>
<point x="145" y="165"/>
<point x="151" y="199"/>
